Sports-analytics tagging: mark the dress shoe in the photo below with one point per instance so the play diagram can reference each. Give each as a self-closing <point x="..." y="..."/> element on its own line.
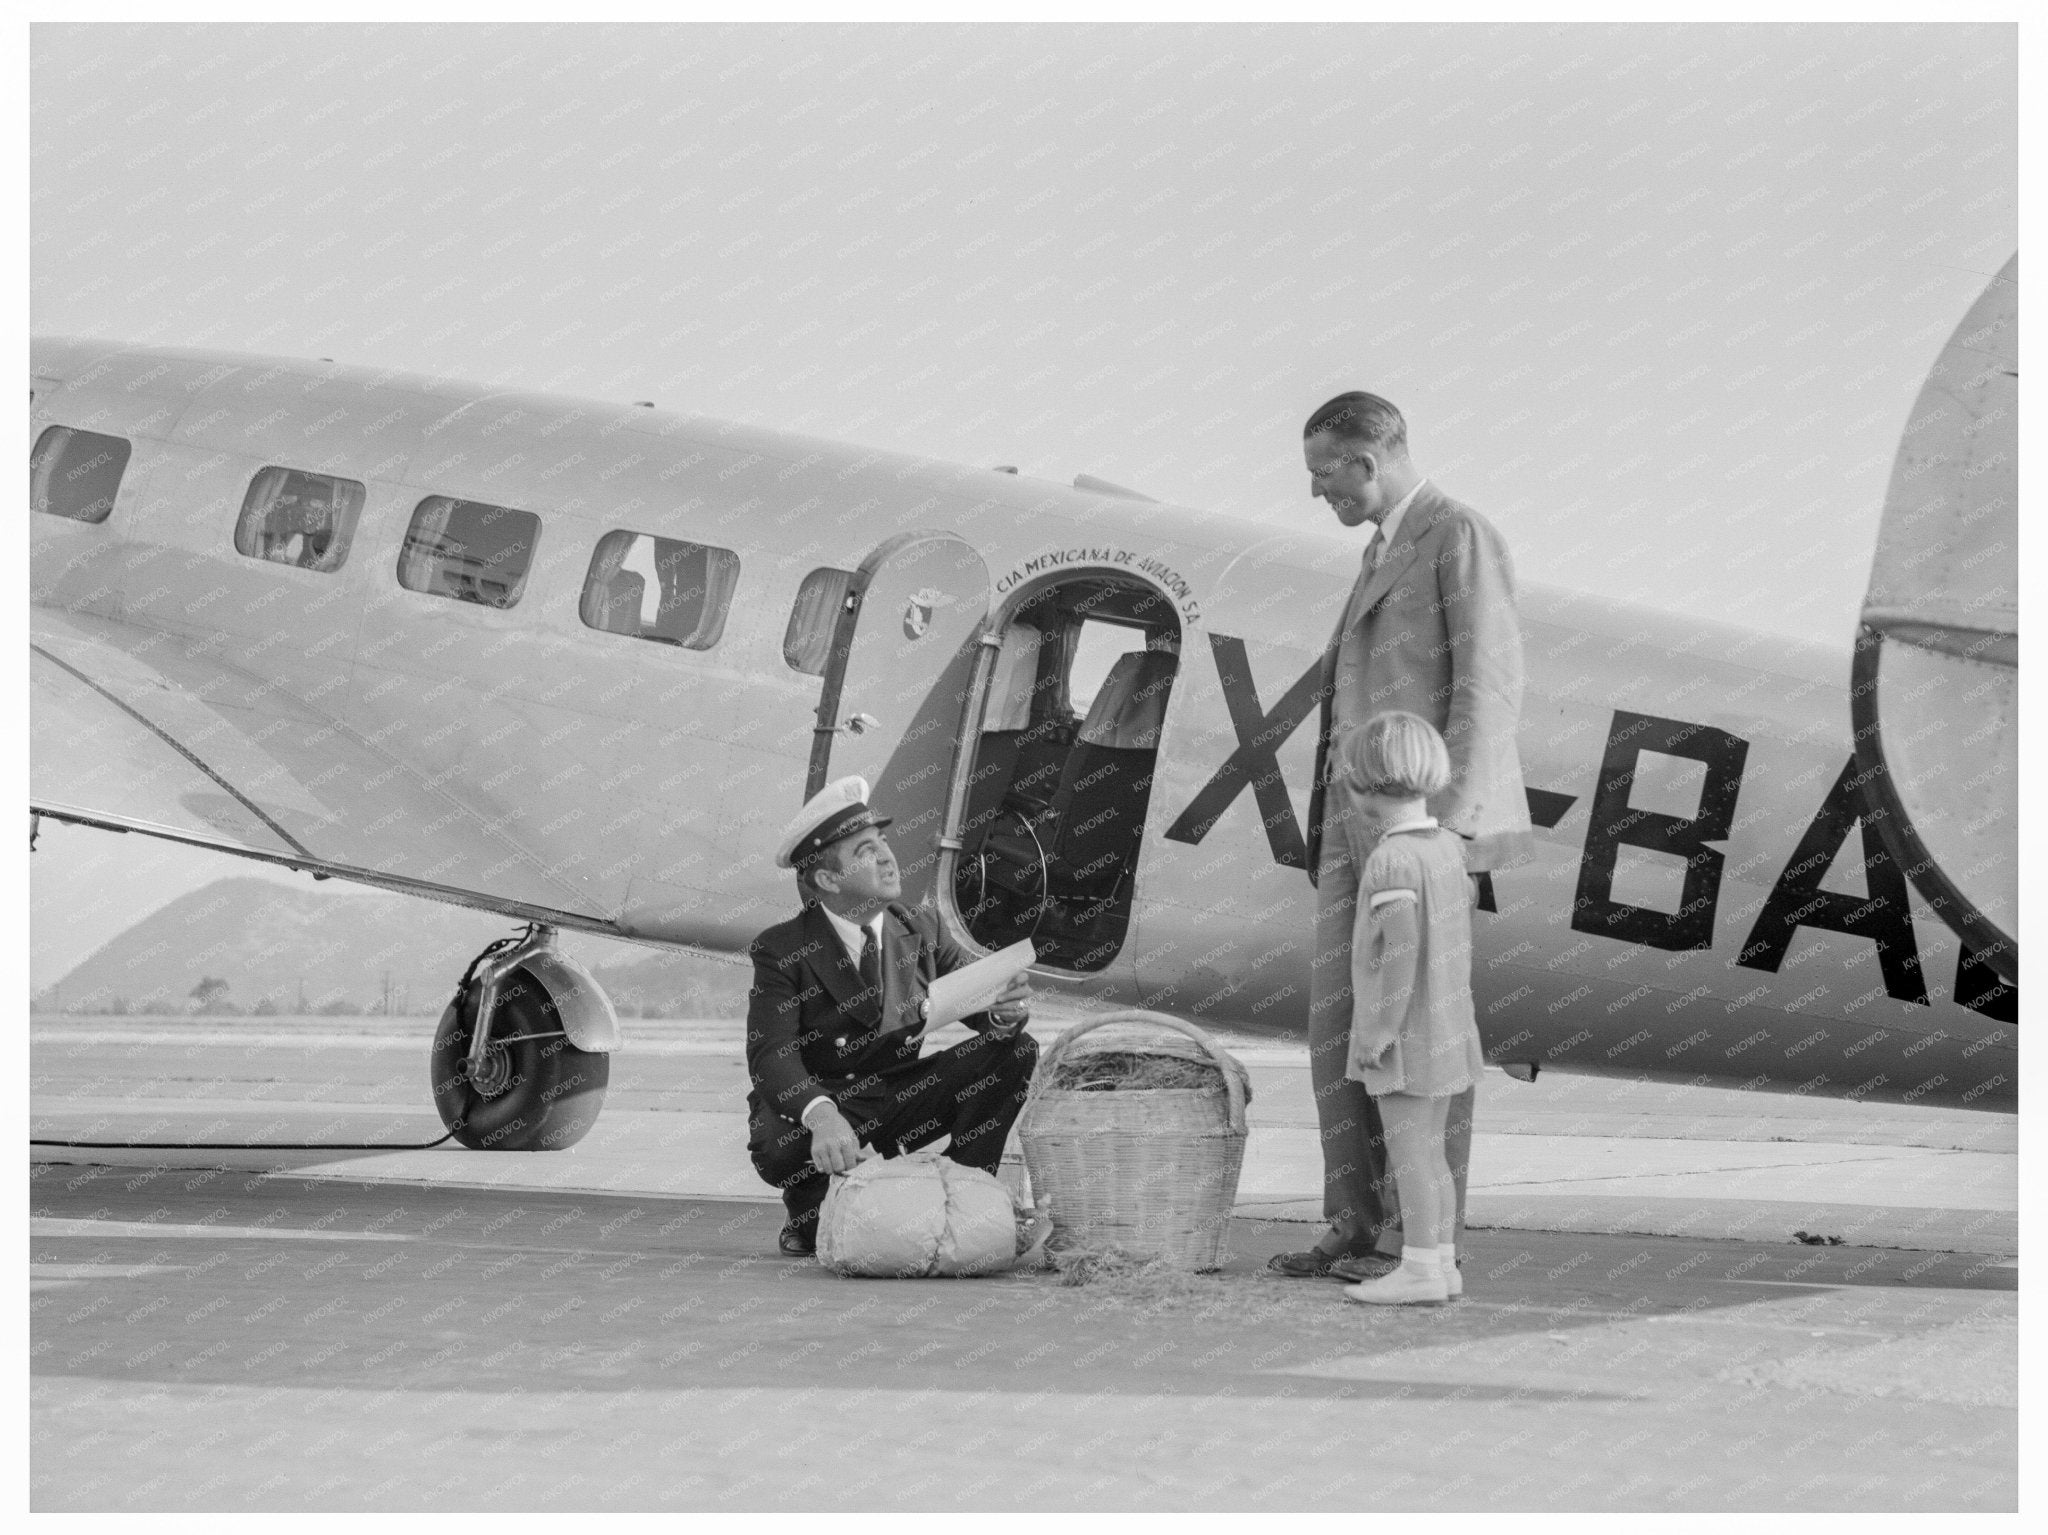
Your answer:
<point x="1367" y="1266"/>
<point x="1404" y="1287"/>
<point x="795" y="1243"/>
<point x="1311" y="1264"/>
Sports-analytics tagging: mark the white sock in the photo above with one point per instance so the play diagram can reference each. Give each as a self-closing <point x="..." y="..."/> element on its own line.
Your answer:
<point x="1420" y="1260"/>
<point x="1447" y="1256"/>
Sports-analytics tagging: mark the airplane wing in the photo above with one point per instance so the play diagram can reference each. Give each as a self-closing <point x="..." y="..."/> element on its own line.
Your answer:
<point x="138" y="730"/>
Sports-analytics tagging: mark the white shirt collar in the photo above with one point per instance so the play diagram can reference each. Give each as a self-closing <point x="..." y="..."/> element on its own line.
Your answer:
<point x="1420" y="823"/>
<point x="1391" y="523"/>
<point x="850" y="933"/>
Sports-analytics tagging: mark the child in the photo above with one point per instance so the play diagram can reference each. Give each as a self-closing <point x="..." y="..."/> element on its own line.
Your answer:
<point x="1414" y="1040"/>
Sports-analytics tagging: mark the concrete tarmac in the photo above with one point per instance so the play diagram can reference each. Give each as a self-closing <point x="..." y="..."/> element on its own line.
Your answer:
<point x="608" y="1328"/>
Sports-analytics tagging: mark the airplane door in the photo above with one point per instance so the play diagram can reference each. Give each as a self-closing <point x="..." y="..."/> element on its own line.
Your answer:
<point x="896" y="688"/>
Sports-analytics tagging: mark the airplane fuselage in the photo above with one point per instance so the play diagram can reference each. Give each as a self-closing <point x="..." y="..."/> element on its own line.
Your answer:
<point x="1705" y="904"/>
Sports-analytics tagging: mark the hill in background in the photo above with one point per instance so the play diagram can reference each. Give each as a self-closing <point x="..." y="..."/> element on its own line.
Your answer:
<point x="270" y="949"/>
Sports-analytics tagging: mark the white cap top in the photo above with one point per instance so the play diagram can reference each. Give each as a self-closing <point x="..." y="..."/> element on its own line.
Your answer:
<point x="837" y="810"/>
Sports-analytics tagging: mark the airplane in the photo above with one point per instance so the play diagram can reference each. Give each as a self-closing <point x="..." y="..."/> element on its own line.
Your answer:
<point x="575" y="662"/>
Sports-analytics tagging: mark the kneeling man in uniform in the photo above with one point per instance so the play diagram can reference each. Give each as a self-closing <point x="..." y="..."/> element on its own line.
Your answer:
<point x="837" y="1014"/>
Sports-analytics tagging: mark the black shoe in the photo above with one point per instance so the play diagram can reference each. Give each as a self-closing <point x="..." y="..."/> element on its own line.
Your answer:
<point x="796" y="1244"/>
<point x="1312" y="1264"/>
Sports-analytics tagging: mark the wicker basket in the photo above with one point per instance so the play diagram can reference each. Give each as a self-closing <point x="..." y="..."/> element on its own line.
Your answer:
<point x="1151" y="1171"/>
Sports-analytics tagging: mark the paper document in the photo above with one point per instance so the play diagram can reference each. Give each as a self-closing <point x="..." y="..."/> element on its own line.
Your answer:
<point x="971" y="988"/>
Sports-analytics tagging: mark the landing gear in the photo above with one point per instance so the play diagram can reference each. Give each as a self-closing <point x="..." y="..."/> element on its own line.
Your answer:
<point x="532" y="1077"/>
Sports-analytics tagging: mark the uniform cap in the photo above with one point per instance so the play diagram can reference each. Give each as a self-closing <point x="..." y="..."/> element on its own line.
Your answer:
<point x="838" y="810"/>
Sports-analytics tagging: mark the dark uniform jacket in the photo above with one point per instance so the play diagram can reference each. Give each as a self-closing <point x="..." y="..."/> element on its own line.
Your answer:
<point x="813" y="1028"/>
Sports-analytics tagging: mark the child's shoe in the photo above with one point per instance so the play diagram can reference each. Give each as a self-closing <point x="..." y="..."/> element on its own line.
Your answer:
<point x="1417" y="1282"/>
<point x="1447" y="1261"/>
<point x="1369" y="1266"/>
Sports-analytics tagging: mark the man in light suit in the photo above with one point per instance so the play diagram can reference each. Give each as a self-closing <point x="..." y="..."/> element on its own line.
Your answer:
<point x="1429" y="628"/>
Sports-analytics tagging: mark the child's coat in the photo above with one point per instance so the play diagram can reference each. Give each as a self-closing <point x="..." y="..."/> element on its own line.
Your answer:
<point x="1436" y="1047"/>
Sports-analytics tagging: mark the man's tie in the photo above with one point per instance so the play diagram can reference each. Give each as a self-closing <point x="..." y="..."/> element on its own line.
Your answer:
<point x="1373" y="546"/>
<point x="871" y="966"/>
<point x="1365" y="569"/>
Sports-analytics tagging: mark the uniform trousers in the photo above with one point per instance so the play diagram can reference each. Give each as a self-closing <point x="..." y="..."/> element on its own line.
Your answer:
<point x="972" y="1092"/>
<point x="1360" y="1200"/>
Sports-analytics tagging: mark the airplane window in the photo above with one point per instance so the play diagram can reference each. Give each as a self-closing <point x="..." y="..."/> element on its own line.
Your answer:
<point x="74" y="473"/>
<point x="660" y="589"/>
<point x="468" y="550"/>
<point x="1014" y="680"/>
<point x="819" y="602"/>
<point x="292" y="517"/>
<point x="1095" y="652"/>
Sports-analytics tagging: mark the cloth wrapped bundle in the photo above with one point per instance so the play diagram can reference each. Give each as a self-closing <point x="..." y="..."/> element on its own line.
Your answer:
<point x="922" y="1217"/>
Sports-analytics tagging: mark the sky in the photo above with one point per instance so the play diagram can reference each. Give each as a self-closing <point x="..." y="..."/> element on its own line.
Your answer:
<point x="1656" y="300"/>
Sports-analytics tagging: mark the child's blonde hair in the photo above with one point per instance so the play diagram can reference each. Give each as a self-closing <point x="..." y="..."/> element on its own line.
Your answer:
<point x="1395" y="753"/>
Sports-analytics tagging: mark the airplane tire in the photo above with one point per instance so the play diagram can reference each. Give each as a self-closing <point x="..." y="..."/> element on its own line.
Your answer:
<point x="533" y="1094"/>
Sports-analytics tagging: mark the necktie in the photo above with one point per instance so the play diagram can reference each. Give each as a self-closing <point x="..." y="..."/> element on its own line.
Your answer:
<point x="1373" y="548"/>
<point x="871" y="966"/>
<point x="1365" y="569"/>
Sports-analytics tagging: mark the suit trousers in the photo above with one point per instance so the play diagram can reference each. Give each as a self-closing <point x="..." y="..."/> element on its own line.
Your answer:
<point x="1360" y="1199"/>
<point x="972" y="1092"/>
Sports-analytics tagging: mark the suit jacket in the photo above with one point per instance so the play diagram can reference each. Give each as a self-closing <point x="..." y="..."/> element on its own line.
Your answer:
<point x="813" y="1028"/>
<point x="1437" y="626"/>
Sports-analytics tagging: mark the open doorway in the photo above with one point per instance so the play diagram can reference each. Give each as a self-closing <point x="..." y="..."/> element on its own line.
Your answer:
<point x="1060" y="771"/>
